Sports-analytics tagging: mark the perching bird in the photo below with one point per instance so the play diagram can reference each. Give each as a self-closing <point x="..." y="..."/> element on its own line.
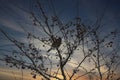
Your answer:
<point x="55" y="44"/>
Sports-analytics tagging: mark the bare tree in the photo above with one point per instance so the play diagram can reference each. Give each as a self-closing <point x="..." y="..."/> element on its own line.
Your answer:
<point x="65" y="48"/>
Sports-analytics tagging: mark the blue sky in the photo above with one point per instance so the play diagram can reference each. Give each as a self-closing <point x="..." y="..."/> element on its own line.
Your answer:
<point x="66" y="9"/>
<point x="12" y="17"/>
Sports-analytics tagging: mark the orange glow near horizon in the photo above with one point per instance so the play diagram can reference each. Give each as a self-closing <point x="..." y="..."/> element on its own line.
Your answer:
<point x="15" y="74"/>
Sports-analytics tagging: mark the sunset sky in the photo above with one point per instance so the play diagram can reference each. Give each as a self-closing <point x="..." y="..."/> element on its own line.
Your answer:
<point x="15" y="13"/>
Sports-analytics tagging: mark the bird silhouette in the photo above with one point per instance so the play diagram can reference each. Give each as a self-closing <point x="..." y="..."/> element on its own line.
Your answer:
<point x="55" y="44"/>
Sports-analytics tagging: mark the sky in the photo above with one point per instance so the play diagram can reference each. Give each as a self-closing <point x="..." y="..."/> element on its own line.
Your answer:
<point x="14" y="14"/>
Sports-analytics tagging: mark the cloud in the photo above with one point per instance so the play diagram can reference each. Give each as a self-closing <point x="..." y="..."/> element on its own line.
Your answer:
<point x="12" y="74"/>
<point x="12" y="17"/>
<point x="11" y="24"/>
